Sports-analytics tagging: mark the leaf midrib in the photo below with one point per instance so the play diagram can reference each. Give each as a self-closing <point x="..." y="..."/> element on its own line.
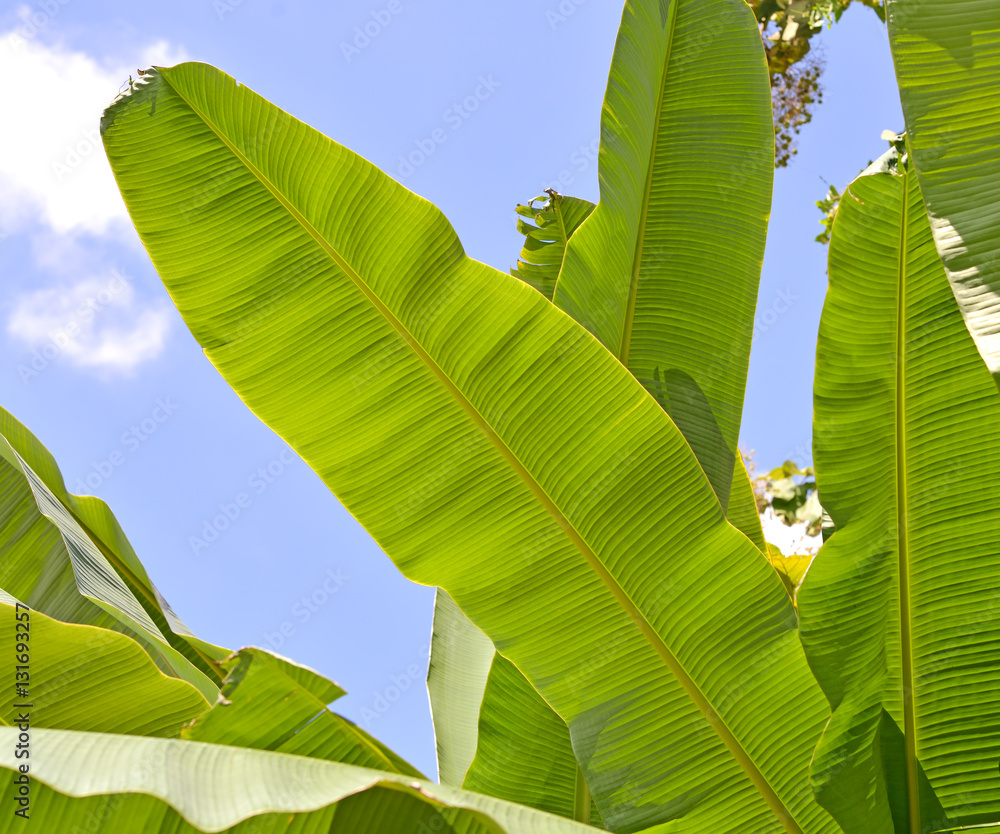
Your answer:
<point x="902" y="500"/>
<point x="565" y="245"/>
<point x="692" y="689"/>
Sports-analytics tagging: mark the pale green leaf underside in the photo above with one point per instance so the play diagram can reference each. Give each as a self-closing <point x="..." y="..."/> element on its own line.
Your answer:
<point x="488" y="443"/>
<point x="947" y="56"/>
<point x="214" y="787"/>
<point x="902" y="595"/>
<point x="459" y="666"/>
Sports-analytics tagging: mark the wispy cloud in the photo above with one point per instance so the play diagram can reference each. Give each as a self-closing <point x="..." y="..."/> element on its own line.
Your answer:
<point x="93" y="323"/>
<point x="52" y="165"/>
<point x="57" y="190"/>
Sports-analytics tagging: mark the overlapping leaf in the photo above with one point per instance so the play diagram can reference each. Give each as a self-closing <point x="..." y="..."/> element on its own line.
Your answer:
<point x="524" y="752"/>
<point x="897" y="609"/>
<point x="265" y="706"/>
<point x="459" y="665"/>
<point x="81" y="677"/>
<point x="494" y="734"/>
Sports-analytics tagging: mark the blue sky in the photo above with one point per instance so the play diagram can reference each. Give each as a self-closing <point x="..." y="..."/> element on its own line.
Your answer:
<point x="98" y="364"/>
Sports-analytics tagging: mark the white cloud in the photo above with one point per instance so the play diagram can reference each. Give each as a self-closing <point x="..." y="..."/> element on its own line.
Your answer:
<point x="93" y="323"/>
<point x="56" y="186"/>
<point x="52" y="163"/>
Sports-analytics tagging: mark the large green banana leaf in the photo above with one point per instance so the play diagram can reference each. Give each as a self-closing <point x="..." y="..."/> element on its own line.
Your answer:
<point x="134" y="785"/>
<point x="87" y="678"/>
<point x="898" y="611"/>
<point x="489" y="444"/>
<point x="66" y="556"/>
<point x="947" y="56"/>
<point x="461" y="655"/>
<point x="676" y="127"/>
<point x="665" y="270"/>
<point x="530" y="739"/>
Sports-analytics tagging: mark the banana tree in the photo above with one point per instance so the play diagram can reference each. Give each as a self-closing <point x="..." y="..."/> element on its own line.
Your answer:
<point x="557" y="454"/>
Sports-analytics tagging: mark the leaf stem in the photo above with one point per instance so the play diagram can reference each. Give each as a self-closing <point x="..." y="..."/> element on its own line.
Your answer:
<point x="581" y="798"/>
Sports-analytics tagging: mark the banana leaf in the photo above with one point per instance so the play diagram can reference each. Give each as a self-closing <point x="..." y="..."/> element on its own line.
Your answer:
<point x="66" y="556"/>
<point x="897" y="610"/>
<point x="947" y="57"/>
<point x="133" y="785"/>
<point x="490" y="445"/>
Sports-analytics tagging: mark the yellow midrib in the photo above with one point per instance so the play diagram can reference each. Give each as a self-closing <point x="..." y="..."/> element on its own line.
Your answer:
<point x="565" y="244"/>
<point x="905" y="635"/>
<point x="692" y="689"/>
